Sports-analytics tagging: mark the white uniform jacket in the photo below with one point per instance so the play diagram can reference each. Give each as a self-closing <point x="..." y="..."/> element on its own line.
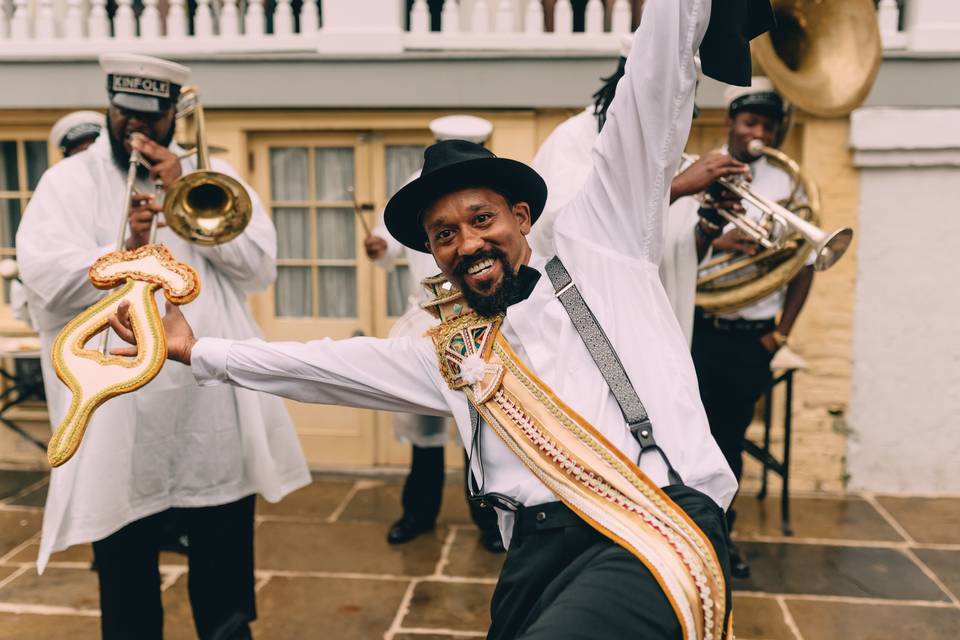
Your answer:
<point x="170" y="444"/>
<point x="610" y="238"/>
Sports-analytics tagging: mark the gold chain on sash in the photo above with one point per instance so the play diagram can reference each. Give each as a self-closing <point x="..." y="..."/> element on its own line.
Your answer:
<point x="577" y="463"/>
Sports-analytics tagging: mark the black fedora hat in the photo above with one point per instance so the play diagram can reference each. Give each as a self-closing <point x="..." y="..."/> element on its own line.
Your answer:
<point x="451" y="165"/>
<point x="725" y="49"/>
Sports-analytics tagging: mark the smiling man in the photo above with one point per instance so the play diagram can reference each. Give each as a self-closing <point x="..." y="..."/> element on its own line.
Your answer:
<point x="558" y="370"/>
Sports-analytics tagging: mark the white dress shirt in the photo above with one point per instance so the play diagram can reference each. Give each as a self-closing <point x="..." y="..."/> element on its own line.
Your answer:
<point x="171" y="443"/>
<point x="610" y="238"/>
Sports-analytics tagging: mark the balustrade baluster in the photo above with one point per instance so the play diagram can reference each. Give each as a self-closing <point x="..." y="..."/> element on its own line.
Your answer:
<point x="563" y="17"/>
<point x="309" y="17"/>
<point x="593" y="18"/>
<point x="255" y="22"/>
<point x="420" y="17"/>
<point x="503" y="21"/>
<point x="450" y="17"/>
<point x="229" y="18"/>
<point x="480" y="21"/>
<point x="283" y="18"/>
<point x="124" y="20"/>
<point x="620" y="17"/>
<point x="203" y="20"/>
<point x="20" y="20"/>
<point x="73" y="20"/>
<point x="45" y="26"/>
<point x="98" y="24"/>
<point x="177" y="24"/>
<point x="533" y="18"/>
<point x="151" y="23"/>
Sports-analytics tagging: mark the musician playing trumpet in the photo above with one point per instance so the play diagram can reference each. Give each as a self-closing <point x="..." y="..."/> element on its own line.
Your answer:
<point x="170" y="454"/>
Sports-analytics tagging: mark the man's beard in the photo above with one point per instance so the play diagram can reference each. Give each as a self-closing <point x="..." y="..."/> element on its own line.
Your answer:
<point x="121" y="157"/>
<point x="496" y="302"/>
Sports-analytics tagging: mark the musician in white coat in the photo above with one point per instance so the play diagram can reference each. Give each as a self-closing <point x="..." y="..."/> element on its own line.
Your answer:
<point x="427" y="435"/>
<point x="172" y="451"/>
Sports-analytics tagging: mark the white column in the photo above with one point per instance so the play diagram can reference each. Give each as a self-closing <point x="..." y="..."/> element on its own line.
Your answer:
<point x="98" y="25"/>
<point x="563" y="17"/>
<point x="229" y="18"/>
<point x="46" y="26"/>
<point x="533" y="18"/>
<point x="593" y="18"/>
<point x="283" y="18"/>
<point x="20" y="20"/>
<point x="309" y="17"/>
<point x="255" y="22"/>
<point x="420" y="17"/>
<point x="124" y="20"/>
<point x="177" y="19"/>
<point x="933" y="25"/>
<point x="73" y="20"/>
<point x="151" y="22"/>
<point x="450" y="17"/>
<point x="503" y="20"/>
<point x="620" y="20"/>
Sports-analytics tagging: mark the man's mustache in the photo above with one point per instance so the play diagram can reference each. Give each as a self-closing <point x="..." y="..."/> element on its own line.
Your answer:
<point x="485" y="254"/>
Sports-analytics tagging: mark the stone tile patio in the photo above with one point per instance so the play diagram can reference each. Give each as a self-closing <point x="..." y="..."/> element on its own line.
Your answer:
<point x="859" y="567"/>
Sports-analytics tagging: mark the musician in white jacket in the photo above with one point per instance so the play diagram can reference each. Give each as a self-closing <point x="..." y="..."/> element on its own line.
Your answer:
<point x="171" y="451"/>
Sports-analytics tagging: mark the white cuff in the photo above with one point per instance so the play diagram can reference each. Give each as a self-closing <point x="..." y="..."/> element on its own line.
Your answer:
<point x="208" y="360"/>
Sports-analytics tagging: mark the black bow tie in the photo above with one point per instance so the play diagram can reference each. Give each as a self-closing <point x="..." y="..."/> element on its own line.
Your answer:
<point x="528" y="278"/>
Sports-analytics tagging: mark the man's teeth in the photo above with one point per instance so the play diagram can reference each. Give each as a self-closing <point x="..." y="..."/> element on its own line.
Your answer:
<point x="483" y="265"/>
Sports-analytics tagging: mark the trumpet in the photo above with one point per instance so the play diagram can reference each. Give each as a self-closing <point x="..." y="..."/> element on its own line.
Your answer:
<point x="778" y="222"/>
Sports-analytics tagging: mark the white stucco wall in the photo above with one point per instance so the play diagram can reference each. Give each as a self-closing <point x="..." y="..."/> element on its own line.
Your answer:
<point x="905" y="402"/>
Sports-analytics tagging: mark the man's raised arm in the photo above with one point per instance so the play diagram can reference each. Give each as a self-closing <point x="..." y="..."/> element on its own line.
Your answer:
<point x="625" y="197"/>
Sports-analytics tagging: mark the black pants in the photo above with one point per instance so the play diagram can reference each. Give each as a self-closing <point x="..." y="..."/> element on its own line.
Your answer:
<point x="733" y="370"/>
<point x="220" y="578"/>
<point x="563" y="580"/>
<point x="423" y="490"/>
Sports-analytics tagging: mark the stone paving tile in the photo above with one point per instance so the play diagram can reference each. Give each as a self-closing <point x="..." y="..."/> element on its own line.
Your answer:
<point x="837" y="571"/>
<point x="34" y="627"/>
<point x="469" y="559"/>
<point x="75" y="588"/>
<point x="381" y="503"/>
<point x="453" y="606"/>
<point x="76" y="553"/>
<point x="759" y="618"/>
<point x="344" y="609"/>
<point x="843" y="621"/>
<point x="177" y="616"/>
<point x="316" y="500"/>
<point x="927" y="520"/>
<point x="13" y="481"/>
<point x="16" y="527"/>
<point x="35" y="498"/>
<point x="946" y="564"/>
<point x="828" y="518"/>
<point x="354" y="547"/>
<point x="6" y="572"/>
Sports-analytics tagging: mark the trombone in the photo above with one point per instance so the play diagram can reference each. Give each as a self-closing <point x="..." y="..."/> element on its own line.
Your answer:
<point x="778" y="222"/>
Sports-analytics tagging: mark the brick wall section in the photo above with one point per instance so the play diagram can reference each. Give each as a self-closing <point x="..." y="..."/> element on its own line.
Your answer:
<point x="823" y="333"/>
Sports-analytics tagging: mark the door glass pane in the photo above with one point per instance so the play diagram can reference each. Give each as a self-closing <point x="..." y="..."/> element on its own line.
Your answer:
<point x="293" y="232"/>
<point x="334" y="167"/>
<point x="9" y="221"/>
<point x="293" y="293"/>
<point x="336" y="234"/>
<point x="337" y="291"/>
<point x="289" y="173"/>
<point x="398" y="290"/>
<point x="36" y="161"/>
<point x="9" y="176"/>
<point x="402" y="161"/>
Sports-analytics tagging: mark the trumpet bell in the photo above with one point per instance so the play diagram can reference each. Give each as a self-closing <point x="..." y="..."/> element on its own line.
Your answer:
<point x="207" y="208"/>
<point x="832" y="247"/>
<point x="823" y="56"/>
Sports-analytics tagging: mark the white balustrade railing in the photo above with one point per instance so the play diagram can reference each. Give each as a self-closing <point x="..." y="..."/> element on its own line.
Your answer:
<point x="85" y="28"/>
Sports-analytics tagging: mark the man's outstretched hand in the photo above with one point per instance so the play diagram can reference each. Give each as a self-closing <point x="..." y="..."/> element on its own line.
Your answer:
<point x="180" y="338"/>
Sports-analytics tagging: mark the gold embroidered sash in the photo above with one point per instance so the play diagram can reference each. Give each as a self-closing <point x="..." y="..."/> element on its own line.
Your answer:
<point x="575" y="461"/>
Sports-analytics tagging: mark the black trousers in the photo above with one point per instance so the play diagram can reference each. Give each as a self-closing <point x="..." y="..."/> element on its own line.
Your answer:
<point x="423" y="490"/>
<point x="563" y="580"/>
<point x="733" y="370"/>
<point x="220" y="578"/>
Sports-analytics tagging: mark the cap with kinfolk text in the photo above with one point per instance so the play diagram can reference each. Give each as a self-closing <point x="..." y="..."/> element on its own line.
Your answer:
<point x="461" y="127"/>
<point x="142" y="83"/>
<point x="759" y="97"/>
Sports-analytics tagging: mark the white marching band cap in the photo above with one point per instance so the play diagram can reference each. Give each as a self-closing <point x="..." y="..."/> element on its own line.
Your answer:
<point x="760" y="96"/>
<point x="143" y="83"/>
<point x="75" y="127"/>
<point x="461" y="127"/>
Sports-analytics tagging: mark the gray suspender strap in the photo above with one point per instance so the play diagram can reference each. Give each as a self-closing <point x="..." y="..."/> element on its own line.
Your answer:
<point x="607" y="361"/>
